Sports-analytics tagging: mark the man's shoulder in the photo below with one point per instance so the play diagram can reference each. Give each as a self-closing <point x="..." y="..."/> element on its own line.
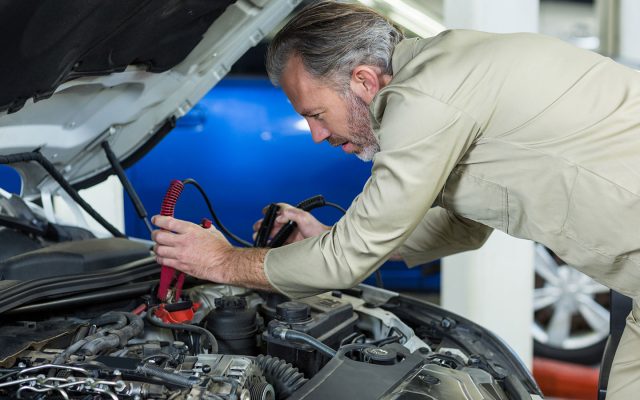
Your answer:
<point x="443" y="63"/>
<point x="462" y="41"/>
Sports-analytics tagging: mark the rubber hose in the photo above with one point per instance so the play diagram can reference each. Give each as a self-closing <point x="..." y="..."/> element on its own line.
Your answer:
<point x="116" y="337"/>
<point x="290" y="334"/>
<point x="136" y="324"/>
<point x="342" y="351"/>
<point x="186" y="327"/>
<point x="62" y="357"/>
<point x="97" y="345"/>
<point x="167" y="376"/>
<point x="105" y="319"/>
<point x="284" y="377"/>
<point x="110" y="318"/>
<point x="80" y="334"/>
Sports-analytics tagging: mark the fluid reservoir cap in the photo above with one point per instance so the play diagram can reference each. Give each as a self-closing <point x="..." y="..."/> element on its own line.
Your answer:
<point x="230" y="303"/>
<point x="293" y="311"/>
<point x="376" y="355"/>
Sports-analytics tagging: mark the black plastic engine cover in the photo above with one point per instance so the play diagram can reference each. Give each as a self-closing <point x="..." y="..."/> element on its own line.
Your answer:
<point x="72" y="258"/>
<point x="329" y="320"/>
<point x="345" y="379"/>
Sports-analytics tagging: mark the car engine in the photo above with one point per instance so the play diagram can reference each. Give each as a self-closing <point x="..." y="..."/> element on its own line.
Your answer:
<point x="240" y="344"/>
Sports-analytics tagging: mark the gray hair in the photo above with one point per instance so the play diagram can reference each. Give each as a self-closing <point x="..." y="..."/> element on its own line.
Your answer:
<point x="332" y="39"/>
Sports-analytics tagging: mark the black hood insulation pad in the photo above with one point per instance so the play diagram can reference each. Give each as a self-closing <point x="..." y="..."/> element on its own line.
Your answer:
<point x="44" y="43"/>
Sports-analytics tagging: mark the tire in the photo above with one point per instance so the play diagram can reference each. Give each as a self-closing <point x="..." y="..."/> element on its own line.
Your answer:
<point x="571" y="312"/>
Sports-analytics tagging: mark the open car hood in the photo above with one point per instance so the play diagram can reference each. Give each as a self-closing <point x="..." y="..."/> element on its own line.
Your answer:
<point x="77" y="74"/>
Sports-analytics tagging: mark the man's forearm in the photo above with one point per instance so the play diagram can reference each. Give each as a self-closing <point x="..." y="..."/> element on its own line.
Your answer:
<point x="245" y="267"/>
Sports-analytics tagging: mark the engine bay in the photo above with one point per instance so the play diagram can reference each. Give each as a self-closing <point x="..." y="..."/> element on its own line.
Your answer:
<point x="241" y="344"/>
<point x="82" y="318"/>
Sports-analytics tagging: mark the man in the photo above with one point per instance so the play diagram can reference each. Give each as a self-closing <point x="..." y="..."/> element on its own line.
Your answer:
<point x="468" y="132"/>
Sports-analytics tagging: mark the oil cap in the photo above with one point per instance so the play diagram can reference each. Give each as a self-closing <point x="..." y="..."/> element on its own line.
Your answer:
<point x="377" y="355"/>
<point x="293" y="312"/>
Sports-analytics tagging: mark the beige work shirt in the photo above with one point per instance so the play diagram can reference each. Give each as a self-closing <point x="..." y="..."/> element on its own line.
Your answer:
<point x="517" y="132"/>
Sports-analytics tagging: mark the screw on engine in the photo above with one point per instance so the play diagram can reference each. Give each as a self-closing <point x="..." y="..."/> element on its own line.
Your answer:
<point x="447" y="323"/>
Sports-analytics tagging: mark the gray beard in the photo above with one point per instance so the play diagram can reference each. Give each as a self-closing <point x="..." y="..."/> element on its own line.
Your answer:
<point x="360" y="127"/>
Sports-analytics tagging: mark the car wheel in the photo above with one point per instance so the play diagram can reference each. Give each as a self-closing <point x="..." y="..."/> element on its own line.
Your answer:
<point x="571" y="312"/>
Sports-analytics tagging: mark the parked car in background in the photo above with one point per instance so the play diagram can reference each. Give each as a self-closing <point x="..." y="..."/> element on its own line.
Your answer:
<point x="571" y="312"/>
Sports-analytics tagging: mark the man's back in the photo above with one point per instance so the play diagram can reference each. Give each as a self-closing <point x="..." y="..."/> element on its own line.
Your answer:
<point x="556" y="144"/>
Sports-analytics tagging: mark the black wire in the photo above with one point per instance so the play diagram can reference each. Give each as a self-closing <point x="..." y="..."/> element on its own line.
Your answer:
<point x="217" y="221"/>
<point x="352" y="338"/>
<point x="382" y="342"/>
<point x="334" y="205"/>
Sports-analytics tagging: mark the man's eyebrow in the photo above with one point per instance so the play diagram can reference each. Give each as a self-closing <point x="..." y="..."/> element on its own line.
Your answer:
<point x="308" y="113"/>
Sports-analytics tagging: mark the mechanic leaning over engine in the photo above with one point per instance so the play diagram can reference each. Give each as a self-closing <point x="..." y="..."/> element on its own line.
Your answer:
<point x="468" y="132"/>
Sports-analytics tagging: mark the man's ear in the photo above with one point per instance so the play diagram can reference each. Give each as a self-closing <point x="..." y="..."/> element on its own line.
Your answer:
<point x="366" y="81"/>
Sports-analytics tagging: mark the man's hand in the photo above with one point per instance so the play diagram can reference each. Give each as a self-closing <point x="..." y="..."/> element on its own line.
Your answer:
<point x="206" y="254"/>
<point x="307" y="224"/>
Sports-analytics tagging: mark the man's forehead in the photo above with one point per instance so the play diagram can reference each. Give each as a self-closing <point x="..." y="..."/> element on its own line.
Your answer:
<point x="303" y="90"/>
<point x="298" y="84"/>
<point x="296" y="77"/>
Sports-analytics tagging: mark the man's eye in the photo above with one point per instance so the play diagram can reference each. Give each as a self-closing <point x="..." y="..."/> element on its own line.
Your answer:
<point x="315" y="116"/>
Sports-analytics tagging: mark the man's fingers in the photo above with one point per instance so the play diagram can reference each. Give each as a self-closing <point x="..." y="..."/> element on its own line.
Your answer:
<point x="165" y="251"/>
<point x="171" y="224"/>
<point x="290" y="214"/>
<point x="165" y="238"/>
<point x="283" y="206"/>
<point x="257" y="224"/>
<point x="168" y="262"/>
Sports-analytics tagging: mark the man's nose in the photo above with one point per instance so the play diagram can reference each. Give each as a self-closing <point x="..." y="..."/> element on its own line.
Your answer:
<point x="318" y="131"/>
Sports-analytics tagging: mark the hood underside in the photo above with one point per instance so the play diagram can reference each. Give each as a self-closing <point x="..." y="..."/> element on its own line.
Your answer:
<point x="75" y="74"/>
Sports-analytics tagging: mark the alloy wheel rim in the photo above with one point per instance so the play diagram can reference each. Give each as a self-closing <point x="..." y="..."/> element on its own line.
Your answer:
<point x="567" y="312"/>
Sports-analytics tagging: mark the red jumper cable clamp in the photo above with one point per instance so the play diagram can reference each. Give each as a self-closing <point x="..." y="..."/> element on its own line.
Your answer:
<point x="177" y="313"/>
<point x="167" y="274"/>
<point x="172" y="309"/>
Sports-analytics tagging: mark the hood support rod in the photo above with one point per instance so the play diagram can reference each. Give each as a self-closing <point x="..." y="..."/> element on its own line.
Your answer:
<point x="126" y="184"/>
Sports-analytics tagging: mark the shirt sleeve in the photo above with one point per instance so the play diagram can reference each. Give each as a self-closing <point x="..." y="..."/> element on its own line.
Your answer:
<point x="421" y="141"/>
<point x="440" y="234"/>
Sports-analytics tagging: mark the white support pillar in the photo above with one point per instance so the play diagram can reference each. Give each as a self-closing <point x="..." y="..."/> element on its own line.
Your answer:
<point x="492" y="15"/>
<point x="493" y="286"/>
<point x="630" y="32"/>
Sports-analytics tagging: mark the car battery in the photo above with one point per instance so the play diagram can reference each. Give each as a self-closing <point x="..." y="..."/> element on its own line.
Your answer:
<point x="328" y="319"/>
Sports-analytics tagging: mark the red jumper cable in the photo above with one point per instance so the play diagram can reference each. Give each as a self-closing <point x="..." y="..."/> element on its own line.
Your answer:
<point x="167" y="274"/>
